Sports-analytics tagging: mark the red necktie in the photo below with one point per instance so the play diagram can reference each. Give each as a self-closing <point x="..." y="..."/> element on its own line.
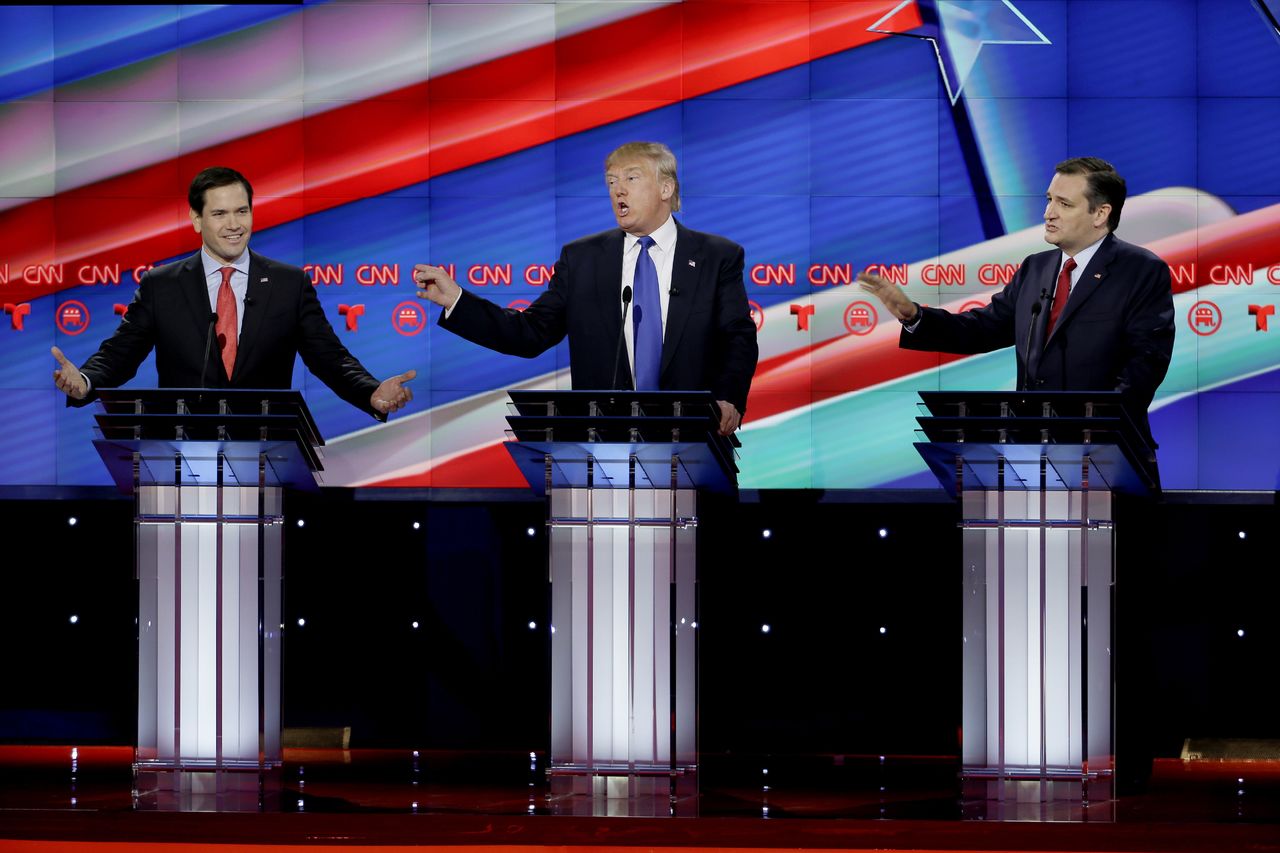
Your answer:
<point x="1060" y="294"/>
<point x="226" y="326"/>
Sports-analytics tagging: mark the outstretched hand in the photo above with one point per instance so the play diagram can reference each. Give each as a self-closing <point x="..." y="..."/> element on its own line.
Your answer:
<point x="890" y="295"/>
<point x="392" y="395"/>
<point x="436" y="284"/>
<point x="68" y="377"/>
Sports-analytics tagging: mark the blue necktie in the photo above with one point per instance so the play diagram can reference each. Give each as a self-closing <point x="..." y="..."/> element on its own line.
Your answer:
<point x="646" y="320"/>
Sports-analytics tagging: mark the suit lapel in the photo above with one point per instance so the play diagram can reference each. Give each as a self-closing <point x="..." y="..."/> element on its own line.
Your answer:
<point x="195" y="288"/>
<point x="1091" y="279"/>
<point x="1040" y="321"/>
<point x="257" y="296"/>
<point x="608" y="295"/>
<point x="685" y="274"/>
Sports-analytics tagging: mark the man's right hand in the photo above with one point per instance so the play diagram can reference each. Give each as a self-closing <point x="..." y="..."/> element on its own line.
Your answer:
<point x="436" y="284"/>
<point x="68" y="377"/>
<point x="891" y="295"/>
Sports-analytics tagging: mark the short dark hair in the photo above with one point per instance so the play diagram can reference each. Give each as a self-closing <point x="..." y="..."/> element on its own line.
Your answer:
<point x="212" y="178"/>
<point x="1104" y="184"/>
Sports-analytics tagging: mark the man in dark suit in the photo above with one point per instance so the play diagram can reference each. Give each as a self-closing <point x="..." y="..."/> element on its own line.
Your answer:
<point x="264" y="314"/>
<point x="1094" y="314"/>
<point x="689" y="327"/>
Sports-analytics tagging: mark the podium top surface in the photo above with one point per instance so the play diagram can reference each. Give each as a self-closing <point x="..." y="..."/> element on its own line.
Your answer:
<point x="1026" y="403"/>
<point x="227" y="403"/>
<point x="612" y="402"/>
<point x="609" y="427"/>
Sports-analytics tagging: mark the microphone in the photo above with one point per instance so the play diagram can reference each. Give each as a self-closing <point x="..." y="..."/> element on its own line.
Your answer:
<point x="208" y="345"/>
<point x="622" y="335"/>
<point x="248" y="300"/>
<point x="675" y="291"/>
<point x="1039" y="306"/>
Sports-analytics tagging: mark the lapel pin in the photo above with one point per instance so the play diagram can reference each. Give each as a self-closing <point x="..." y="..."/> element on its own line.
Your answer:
<point x="263" y="280"/>
<point x="693" y="263"/>
<point x="1097" y="275"/>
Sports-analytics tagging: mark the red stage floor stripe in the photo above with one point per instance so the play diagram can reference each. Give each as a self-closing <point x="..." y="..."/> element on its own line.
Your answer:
<point x="170" y="847"/>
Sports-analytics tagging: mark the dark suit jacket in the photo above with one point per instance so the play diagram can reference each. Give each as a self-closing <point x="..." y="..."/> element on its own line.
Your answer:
<point x="709" y="341"/>
<point x="170" y="313"/>
<point x="1115" y="333"/>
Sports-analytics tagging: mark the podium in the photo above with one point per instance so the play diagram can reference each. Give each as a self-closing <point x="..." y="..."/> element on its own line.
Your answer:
<point x="620" y="471"/>
<point x="1034" y="474"/>
<point x="207" y="470"/>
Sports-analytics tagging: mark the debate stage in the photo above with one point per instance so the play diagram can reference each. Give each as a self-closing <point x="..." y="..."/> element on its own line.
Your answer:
<point x="390" y="799"/>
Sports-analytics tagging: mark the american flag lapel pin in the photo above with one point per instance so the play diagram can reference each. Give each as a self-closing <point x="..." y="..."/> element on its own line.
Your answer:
<point x="1097" y="275"/>
<point x="693" y="263"/>
<point x="263" y="280"/>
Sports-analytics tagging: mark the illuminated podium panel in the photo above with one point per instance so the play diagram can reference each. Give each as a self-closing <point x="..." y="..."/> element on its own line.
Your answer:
<point x="207" y="470"/>
<point x="1034" y="474"/>
<point x="621" y="473"/>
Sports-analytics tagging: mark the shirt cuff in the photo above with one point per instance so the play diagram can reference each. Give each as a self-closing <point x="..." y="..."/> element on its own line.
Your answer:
<point x="456" y="299"/>
<point x="914" y="324"/>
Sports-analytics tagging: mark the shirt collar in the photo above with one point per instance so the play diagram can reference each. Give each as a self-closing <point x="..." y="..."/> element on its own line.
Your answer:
<point x="1083" y="256"/>
<point x="664" y="236"/>
<point x="212" y="265"/>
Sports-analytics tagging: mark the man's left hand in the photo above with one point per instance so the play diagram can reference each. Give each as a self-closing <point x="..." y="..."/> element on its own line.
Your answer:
<point x="392" y="395"/>
<point x="730" y="418"/>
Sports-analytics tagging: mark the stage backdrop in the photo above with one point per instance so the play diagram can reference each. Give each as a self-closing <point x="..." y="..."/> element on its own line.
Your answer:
<point x="825" y="137"/>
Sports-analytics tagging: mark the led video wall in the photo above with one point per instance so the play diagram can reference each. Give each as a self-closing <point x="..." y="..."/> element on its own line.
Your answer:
<point x="825" y="137"/>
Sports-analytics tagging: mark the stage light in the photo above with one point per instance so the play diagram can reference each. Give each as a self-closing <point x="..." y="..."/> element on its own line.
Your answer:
<point x="74" y="619"/>
<point x="883" y="630"/>
<point x="764" y="629"/>
<point x="415" y="807"/>
<point x="1239" y="632"/>
<point x="301" y="806"/>
<point x="682" y="620"/>
<point x="766" y="533"/>
<point x="301" y="622"/>
<point x="883" y="532"/>
<point x="553" y="629"/>
<point x="531" y="532"/>
<point x="693" y="624"/>
<point x="302" y="522"/>
<point x="1241" y="534"/>
<point x="764" y="811"/>
<point x="764" y="770"/>
<point x="72" y="521"/>
<point x="417" y="525"/>
<point x="415" y="626"/>
<point x="533" y="626"/>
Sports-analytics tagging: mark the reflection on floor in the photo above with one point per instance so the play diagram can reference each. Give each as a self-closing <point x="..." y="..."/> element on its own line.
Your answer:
<point x="55" y="797"/>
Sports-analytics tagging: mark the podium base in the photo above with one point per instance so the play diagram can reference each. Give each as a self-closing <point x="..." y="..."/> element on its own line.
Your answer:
<point x="621" y="791"/>
<point x="224" y="790"/>
<point x="1031" y="786"/>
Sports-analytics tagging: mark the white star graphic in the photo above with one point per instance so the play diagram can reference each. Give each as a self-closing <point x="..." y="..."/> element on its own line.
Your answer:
<point x="963" y="29"/>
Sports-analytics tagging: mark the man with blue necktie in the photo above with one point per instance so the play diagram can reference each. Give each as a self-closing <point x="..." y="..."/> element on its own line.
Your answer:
<point x="688" y="325"/>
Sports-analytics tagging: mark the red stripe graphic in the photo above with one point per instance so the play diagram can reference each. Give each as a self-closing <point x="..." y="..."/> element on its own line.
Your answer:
<point x="405" y="137"/>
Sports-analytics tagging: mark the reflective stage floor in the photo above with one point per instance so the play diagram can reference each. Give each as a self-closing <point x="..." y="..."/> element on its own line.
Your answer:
<point x="60" y="798"/>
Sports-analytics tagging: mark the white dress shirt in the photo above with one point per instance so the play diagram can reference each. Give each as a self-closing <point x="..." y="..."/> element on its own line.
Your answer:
<point x="1082" y="260"/>
<point x="239" y="283"/>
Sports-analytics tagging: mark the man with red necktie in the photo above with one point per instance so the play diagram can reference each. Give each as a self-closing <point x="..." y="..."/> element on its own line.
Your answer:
<point x="1094" y="314"/>
<point x="266" y="314"/>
